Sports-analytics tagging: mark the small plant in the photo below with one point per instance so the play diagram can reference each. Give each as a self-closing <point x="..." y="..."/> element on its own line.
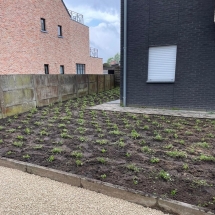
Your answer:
<point x="101" y="160"/>
<point x="1" y="128"/>
<point x="169" y="131"/>
<point x="56" y="150"/>
<point x="61" y="126"/>
<point x="173" y="192"/>
<point x="26" y="156"/>
<point x="9" y="152"/>
<point x="1" y="141"/>
<point x="188" y="133"/>
<point x="181" y="142"/>
<point x="43" y="132"/>
<point x="11" y="130"/>
<point x="154" y="160"/>
<point x="164" y="175"/>
<point x="27" y="130"/>
<point x="142" y="142"/>
<point x="133" y="167"/>
<point x="185" y="166"/>
<point x="102" y="142"/>
<point x="206" y="158"/>
<point x="77" y="154"/>
<point x="103" y="150"/>
<point x="18" y="143"/>
<point x="210" y="135"/>
<point x="177" y="154"/>
<point x="135" y="180"/>
<point x="103" y="176"/>
<point x="128" y="155"/>
<point x="38" y="147"/>
<point x="20" y="137"/>
<point x="158" y="137"/>
<point x="38" y="123"/>
<point x="146" y="127"/>
<point x="78" y="162"/>
<point x="170" y="146"/>
<point x="82" y="139"/>
<point x="203" y="145"/>
<point x="134" y="134"/>
<point x="146" y="149"/>
<point x="115" y="132"/>
<point x="51" y="158"/>
<point x="121" y="143"/>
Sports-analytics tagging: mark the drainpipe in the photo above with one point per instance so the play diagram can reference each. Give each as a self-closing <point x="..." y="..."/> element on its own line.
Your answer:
<point x="125" y="54"/>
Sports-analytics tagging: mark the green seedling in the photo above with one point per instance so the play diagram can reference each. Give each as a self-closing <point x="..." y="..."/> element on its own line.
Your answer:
<point x="146" y="149"/>
<point x="1" y="141"/>
<point x="170" y="146"/>
<point x="77" y="154"/>
<point x="9" y="152"/>
<point x="1" y="128"/>
<point x="177" y="154"/>
<point x="26" y="156"/>
<point x="78" y="163"/>
<point x="38" y="123"/>
<point x="82" y="139"/>
<point x="173" y="192"/>
<point x="158" y="137"/>
<point x="128" y="155"/>
<point x="11" y="130"/>
<point x="146" y="127"/>
<point x="38" y="147"/>
<point x="18" y="143"/>
<point x="203" y="145"/>
<point x="51" y="158"/>
<point x="43" y="132"/>
<point x="185" y="166"/>
<point x="133" y="167"/>
<point x="134" y="134"/>
<point x="135" y="180"/>
<point x="206" y="158"/>
<point x="103" y="150"/>
<point x="27" y="130"/>
<point x="20" y="137"/>
<point x="164" y="175"/>
<point x="101" y="160"/>
<point x="181" y="142"/>
<point x="102" y="142"/>
<point x="56" y="150"/>
<point x="61" y="126"/>
<point x="103" y="176"/>
<point x="154" y="160"/>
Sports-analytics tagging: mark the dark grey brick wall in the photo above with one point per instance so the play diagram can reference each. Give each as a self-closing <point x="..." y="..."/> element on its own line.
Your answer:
<point x="190" y="26"/>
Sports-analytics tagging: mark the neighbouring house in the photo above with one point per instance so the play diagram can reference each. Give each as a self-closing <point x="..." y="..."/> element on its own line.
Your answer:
<point x="44" y="37"/>
<point x="170" y="53"/>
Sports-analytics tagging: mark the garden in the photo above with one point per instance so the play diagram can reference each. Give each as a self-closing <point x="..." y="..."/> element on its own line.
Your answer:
<point x="166" y="156"/>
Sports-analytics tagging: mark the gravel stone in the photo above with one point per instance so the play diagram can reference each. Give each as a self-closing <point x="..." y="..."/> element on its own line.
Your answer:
<point x="25" y="194"/>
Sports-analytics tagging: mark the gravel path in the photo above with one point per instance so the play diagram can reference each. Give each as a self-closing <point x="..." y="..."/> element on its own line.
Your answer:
<point x="25" y="194"/>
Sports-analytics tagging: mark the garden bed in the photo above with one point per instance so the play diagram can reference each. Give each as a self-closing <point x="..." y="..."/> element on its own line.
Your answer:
<point x="170" y="157"/>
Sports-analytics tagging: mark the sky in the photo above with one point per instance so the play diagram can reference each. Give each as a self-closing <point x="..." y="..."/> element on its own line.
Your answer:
<point x="103" y="19"/>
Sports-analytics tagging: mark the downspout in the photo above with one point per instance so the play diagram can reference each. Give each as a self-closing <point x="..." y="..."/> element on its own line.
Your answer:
<point x="125" y="55"/>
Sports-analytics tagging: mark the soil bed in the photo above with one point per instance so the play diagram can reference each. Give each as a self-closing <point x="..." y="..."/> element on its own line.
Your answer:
<point x="170" y="157"/>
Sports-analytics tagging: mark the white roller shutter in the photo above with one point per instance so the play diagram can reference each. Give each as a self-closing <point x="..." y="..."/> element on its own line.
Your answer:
<point x="162" y="64"/>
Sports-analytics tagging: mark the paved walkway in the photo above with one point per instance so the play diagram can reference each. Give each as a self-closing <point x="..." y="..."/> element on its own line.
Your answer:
<point x="25" y="194"/>
<point x="115" y="106"/>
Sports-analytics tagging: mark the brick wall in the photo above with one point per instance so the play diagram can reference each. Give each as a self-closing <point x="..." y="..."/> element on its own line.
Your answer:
<point x="190" y="26"/>
<point x="25" y="49"/>
<point x="20" y="93"/>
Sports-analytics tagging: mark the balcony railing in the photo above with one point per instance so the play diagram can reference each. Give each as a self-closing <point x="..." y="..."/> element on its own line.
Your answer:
<point x="94" y="52"/>
<point x="76" y="17"/>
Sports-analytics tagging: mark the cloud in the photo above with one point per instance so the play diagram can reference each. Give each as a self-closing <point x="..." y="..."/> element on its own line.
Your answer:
<point x="103" y="18"/>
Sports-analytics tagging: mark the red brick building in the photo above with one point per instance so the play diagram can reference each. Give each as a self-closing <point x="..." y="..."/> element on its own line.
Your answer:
<point x="38" y="36"/>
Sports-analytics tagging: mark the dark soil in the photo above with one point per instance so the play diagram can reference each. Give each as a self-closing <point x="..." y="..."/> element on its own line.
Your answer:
<point x="170" y="157"/>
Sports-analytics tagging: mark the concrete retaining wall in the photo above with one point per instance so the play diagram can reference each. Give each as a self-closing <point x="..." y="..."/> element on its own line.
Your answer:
<point x="20" y="93"/>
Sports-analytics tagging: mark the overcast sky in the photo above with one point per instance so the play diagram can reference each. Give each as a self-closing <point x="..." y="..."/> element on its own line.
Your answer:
<point x="103" y="18"/>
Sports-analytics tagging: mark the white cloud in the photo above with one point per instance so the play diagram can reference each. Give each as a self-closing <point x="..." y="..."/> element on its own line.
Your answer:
<point x="103" y="18"/>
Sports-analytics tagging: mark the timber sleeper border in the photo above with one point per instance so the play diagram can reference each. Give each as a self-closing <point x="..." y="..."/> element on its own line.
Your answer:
<point x="108" y="189"/>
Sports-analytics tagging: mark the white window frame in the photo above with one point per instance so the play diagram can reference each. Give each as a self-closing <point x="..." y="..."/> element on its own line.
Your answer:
<point x="162" y="64"/>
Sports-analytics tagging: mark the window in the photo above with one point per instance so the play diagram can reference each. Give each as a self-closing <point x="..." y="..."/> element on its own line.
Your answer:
<point x="80" y="68"/>
<point x="43" y="24"/>
<point x="60" y="31"/>
<point x="61" y="69"/>
<point x="162" y="64"/>
<point x="46" y="67"/>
